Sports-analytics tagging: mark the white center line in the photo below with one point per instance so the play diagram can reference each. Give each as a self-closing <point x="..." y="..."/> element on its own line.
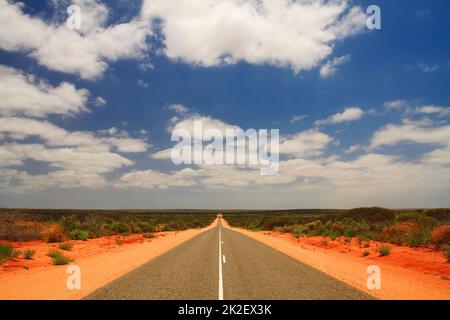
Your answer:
<point x="220" y="262"/>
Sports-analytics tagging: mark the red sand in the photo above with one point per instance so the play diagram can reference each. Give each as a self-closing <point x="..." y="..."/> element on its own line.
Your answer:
<point x="101" y="261"/>
<point x="407" y="273"/>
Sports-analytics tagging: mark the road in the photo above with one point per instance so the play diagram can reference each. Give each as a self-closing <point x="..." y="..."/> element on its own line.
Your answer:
<point x="224" y="264"/>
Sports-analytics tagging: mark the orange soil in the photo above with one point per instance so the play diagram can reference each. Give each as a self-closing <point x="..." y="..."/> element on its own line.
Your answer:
<point x="100" y="260"/>
<point x="407" y="273"/>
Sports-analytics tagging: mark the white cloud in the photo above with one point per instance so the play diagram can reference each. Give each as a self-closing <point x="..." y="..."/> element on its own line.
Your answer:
<point x="25" y="94"/>
<point x="352" y="149"/>
<point x="100" y="102"/>
<point x="349" y="114"/>
<point x="22" y="128"/>
<point x="396" y="104"/>
<point x="415" y="132"/>
<point x="330" y="68"/>
<point x="305" y="143"/>
<point x="178" y="108"/>
<point x="298" y="118"/>
<point x="431" y="109"/>
<point x="283" y="33"/>
<point x="56" y="47"/>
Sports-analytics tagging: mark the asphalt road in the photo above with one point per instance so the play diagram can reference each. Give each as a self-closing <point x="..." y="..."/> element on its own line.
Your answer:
<point x="224" y="264"/>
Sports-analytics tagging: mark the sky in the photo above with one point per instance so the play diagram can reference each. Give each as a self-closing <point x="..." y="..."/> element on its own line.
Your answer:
<point x="86" y="115"/>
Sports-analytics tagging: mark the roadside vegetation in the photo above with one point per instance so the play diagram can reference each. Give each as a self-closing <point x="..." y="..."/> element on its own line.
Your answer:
<point x="57" y="226"/>
<point x="413" y="228"/>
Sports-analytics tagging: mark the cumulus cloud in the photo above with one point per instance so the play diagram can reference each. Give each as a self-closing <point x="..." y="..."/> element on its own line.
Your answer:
<point x="58" y="48"/>
<point x="415" y="132"/>
<point x="306" y="143"/>
<point x="349" y="114"/>
<point x="23" y="128"/>
<point x="299" y="34"/>
<point x="330" y="68"/>
<point x="433" y="110"/>
<point x="396" y="104"/>
<point x="25" y="94"/>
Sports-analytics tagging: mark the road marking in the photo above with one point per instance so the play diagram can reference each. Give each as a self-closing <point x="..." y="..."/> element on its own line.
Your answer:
<point x="224" y="260"/>
<point x="220" y="263"/>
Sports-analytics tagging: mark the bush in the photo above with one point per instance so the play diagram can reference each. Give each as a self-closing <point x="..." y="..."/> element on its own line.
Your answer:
<point x="422" y="219"/>
<point x="441" y="236"/>
<point x="365" y="253"/>
<point x="78" y="234"/>
<point x="447" y="254"/>
<point x="60" y="260"/>
<point x="69" y="223"/>
<point x="384" y="250"/>
<point x="119" y="242"/>
<point x="120" y="227"/>
<point x="146" y="227"/>
<point x="53" y="252"/>
<point x="66" y="246"/>
<point x="28" y="254"/>
<point x="6" y="252"/>
<point x="53" y="233"/>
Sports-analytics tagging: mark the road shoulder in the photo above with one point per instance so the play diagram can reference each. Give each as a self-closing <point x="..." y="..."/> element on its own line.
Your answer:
<point x="396" y="282"/>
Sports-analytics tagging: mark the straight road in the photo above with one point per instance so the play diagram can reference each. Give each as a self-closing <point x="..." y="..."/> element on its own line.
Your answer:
<point x="224" y="264"/>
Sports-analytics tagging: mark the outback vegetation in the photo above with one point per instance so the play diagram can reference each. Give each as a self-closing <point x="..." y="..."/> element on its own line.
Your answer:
<point x="62" y="225"/>
<point x="413" y="228"/>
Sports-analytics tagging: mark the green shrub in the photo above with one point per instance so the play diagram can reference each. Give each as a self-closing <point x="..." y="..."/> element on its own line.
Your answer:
<point x="78" y="234"/>
<point x="120" y="227"/>
<point x="384" y="250"/>
<point x="365" y="253"/>
<point x="422" y="219"/>
<point x="53" y="252"/>
<point x="66" y="246"/>
<point x="146" y="227"/>
<point x="69" y="223"/>
<point x="28" y="254"/>
<point x="6" y="251"/>
<point x="60" y="260"/>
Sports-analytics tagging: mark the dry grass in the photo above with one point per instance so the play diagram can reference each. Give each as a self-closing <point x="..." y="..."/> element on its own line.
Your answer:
<point x="53" y="233"/>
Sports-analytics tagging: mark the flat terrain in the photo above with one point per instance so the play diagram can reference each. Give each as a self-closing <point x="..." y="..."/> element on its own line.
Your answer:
<point x="222" y="263"/>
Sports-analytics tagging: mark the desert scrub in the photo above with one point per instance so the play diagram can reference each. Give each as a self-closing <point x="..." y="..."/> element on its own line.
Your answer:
<point x="447" y="254"/>
<point x="120" y="227"/>
<point x="53" y="233"/>
<point x="7" y="251"/>
<point x="28" y="254"/>
<point x="441" y="236"/>
<point x="58" y="258"/>
<point x="78" y="234"/>
<point x="61" y="259"/>
<point x="65" y="246"/>
<point x="384" y="250"/>
<point x="365" y="253"/>
<point x="119" y="242"/>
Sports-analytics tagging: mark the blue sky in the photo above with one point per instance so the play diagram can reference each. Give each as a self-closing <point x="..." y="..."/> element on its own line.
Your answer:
<point x="363" y="114"/>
